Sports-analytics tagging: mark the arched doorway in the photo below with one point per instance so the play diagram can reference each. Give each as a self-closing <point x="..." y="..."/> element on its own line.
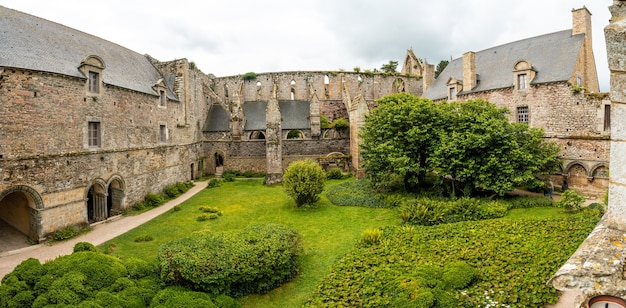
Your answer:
<point x="19" y="219"/>
<point x="219" y="163"/>
<point x="96" y="203"/>
<point x="115" y="197"/>
<point x="577" y="175"/>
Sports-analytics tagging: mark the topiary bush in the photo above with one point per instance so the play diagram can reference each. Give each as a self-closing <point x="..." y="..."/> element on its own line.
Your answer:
<point x="303" y="180"/>
<point x="84" y="246"/>
<point x="253" y="260"/>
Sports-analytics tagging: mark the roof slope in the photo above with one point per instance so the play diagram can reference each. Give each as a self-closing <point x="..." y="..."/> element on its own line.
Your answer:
<point x="553" y="56"/>
<point x="34" y="43"/>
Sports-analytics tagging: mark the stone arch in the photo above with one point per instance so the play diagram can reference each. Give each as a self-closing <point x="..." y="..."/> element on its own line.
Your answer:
<point x="600" y="171"/>
<point x="116" y="195"/>
<point x="257" y="135"/>
<point x="398" y="86"/>
<point x="96" y="201"/>
<point x="295" y="134"/>
<point x="577" y="174"/>
<point x="19" y="208"/>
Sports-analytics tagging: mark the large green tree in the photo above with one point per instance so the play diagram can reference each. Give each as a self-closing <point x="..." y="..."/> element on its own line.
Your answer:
<point x="397" y="139"/>
<point x="472" y="145"/>
<point x="389" y="67"/>
<point x="483" y="151"/>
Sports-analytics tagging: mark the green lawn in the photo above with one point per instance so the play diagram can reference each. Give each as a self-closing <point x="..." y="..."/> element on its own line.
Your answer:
<point x="328" y="231"/>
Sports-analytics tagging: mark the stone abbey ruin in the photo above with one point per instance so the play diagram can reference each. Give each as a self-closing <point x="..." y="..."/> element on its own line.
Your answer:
<point x="88" y="127"/>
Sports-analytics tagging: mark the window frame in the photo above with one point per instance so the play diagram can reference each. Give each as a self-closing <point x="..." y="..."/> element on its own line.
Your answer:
<point x="94" y="134"/>
<point x="523" y="114"/>
<point x="522" y="81"/>
<point x="162" y="133"/>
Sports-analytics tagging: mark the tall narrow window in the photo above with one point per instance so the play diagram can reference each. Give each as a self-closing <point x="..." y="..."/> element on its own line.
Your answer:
<point x="94" y="134"/>
<point x="522" y="114"/>
<point x="162" y="133"/>
<point x="607" y="117"/>
<point x="162" y="98"/>
<point x="94" y="82"/>
<point x="522" y="80"/>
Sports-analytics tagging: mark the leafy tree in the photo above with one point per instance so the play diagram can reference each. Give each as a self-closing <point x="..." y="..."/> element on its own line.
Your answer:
<point x="483" y="151"/>
<point x="440" y="67"/>
<point x="398" y="138"/>
<point x="389" y="67"/>
<point x="304" y="181"/>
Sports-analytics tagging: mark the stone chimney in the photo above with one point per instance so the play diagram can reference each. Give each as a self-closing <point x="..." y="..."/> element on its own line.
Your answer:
<point x="429" y="76"/>
<point x="581" y="24"/>
<point x="469" y="71"/>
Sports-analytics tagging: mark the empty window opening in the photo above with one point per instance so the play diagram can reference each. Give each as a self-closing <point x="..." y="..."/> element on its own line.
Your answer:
<point x="452" y="93"/>
<point x="522" y="114"/>
<point x="293" y="94"/>
<point x="94" y="132"/>
<point x="294" y="134"/>
<point x="162" y="133"/>
<point x="607" y="117"/>
<point x="162" y="98"/>
<point x="326" y="79"/>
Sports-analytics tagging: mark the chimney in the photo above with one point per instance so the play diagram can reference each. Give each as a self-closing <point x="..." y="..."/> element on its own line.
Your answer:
<point x="581" y="22"/>
<point x="429" y="76"/>
<point x="469" y="71"/>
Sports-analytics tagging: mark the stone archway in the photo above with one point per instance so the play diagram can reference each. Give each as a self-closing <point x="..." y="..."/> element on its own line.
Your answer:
<point x="19" y="210"/>
<point x="115" y="196"/>
<point x="577" y="175"/>
<point x="97" y="202"/>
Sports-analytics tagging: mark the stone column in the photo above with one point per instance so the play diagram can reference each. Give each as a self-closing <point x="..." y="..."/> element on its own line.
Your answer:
<point x="273" y="140"/>
<point x="597" y="267"/>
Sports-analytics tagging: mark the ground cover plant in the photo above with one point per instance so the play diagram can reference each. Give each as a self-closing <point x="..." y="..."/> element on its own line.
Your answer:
<point x="513" y="260"/>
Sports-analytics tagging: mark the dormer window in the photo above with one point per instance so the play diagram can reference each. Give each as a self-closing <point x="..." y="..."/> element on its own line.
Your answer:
<point x="522" y="81"/>
<point x="92" y="67"/>
<point x="160" y="88"/>
<point x="454" y="86"/>
<point x="452" y="93"/>
<point x="94" y="82"/>
<point x="523" y="74"/>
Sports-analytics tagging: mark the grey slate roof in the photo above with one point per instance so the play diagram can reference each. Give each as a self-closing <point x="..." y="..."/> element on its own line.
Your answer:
<point x="217" y="120"/>
<point x="33" y="43"/>
<point x="295" y="114"/>
<point x="553" y="56"/>
<point x="255" y="115"/>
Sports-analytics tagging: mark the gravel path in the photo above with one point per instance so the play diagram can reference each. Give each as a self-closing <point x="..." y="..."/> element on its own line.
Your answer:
<point x="101" y="233"/>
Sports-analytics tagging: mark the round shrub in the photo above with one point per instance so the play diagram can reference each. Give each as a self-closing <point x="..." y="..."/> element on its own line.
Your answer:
<point x="138" y="268"/>
<point x="213" y="183"/>
<point x="334" y="174"/>
<point x="304" y="181"/>
<point x="84" y="246"/>
<point x="253" y="260"/>
<point x="180" y="297"/>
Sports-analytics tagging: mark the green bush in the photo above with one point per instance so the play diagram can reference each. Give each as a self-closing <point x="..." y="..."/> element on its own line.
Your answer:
<point x="334" y="174"/>
<point x="202" y="217"/>
<point x="153" y="200"/>
<point x="214" y="183"/>
<point x="429" y="211"/>
<point x="265" y="258"/>
<point x="571" y="201"/>
<point x="228" y="177"/>
<point x="303" y="181"/>
<point x="208" y="209"/>
<point x="171" y="191"/>
<point x="249" y="76"/>
<point x="138" y="268"/>
<point x="340" y="123"/>
<point x="66" y="233"/>
<point x="353" y="193"/>
<point x="324" y="122"/>
<point x="181" y="297"/>
<point x="84" y="246"/>
<point x="524" y="202"/>
<point x="144" y="238"/>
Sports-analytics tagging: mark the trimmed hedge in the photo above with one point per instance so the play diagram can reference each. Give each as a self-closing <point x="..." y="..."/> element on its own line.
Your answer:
<point x="253" y="260"/>
<point x="354" y="193"/>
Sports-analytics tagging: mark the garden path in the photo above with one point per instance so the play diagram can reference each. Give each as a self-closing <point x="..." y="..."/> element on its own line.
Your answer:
<point x="101" y="233"/>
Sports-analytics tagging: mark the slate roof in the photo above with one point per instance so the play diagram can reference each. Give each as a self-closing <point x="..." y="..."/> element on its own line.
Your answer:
<point x="553" y="56"/>
<point x="255" y="115"/>
<point x="295" y="114"/>
<point x="218" y="120"/>
<point x="34" y="43"/>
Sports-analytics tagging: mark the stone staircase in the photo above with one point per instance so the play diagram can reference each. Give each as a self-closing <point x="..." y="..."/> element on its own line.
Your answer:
<point x="218" y="172"/>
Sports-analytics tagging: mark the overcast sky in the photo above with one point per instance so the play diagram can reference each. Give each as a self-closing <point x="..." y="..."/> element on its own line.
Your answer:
<point x="231" y="37"/>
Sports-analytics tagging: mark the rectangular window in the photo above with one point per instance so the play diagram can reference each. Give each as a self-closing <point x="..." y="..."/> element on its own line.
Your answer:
<point x="522" y="114"/>
<point x="521" y="81"/>
<point x="452" y="93"/>
<point x="94" y="134"/>
<point x="607" y="117"/>
<point x="94" y="82"/>
<point x="162" y="133"/>
<point x="162" y="98"/>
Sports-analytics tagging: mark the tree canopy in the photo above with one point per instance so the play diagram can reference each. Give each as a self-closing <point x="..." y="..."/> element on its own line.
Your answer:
<point x="389" y="67"/>
<point x="470" y="145"/>
<point x="440" y="67"/>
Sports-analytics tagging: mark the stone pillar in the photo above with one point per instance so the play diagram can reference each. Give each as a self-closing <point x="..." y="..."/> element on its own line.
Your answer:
<point x="273" y="140"/>
<point x="236" y="115"/>
<point x="597" y="266"/>
<point x="469" y="71"/>
<point x="314" y="116"/>
<point x="429" y="76"/>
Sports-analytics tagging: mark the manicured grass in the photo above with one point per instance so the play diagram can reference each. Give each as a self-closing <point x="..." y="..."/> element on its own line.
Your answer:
<point x="328" y="231"/>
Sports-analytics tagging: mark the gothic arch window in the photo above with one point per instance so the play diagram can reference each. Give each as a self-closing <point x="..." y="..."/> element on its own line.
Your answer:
<point x="295" y="134"/>
<point x="293" y="89"/>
